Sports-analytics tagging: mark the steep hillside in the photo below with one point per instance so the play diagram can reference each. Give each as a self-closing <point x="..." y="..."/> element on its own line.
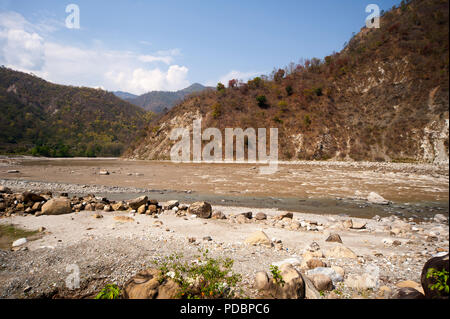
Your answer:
<point x="125" y="95"/>
<point x="384" y="97"/>
<point x="41" y="118"/>
<point x="162" y="101"/>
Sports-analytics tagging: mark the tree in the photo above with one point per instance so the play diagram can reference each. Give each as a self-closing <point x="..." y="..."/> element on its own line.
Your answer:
<point x="279" y="75"/>
<point x="262" y="101"/>
<point x="220" y="87"/>
<point x="232" y="83"/>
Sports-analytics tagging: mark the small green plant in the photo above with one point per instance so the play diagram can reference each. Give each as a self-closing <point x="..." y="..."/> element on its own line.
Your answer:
<point x="216" y="110"/>
<point x="110" y="291"/>
<point x="207" y="278"/>
<point x="289" y="90"/>
<point x="220" y="87"/>
<point x="262" y="101"/>
<point x="440" y="280"/>
<point x="276" y="275"/>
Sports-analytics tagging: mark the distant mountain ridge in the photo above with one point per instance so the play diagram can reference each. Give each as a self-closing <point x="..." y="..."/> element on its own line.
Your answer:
<point x="160" y="101"/>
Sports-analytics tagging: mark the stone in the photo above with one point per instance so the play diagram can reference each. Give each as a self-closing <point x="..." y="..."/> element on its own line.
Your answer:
<point x="375" y="198"/>
<point x="294" y="225"/>
<point x="107" y="208"/>
<point x="341" y="252"/>
<point x="261" y="280"/>
<point x="142" y="209"/>
<point x="241" y="219"/>
<point x="406" y="293"/>
<point x="99" y="206"/>
<point x="259" y="238"/>
<point x="147" y="285"/>
<point x="171" y="204"/>
<point x="5" y="190"/>
<point x="123" y="219"/>
<point x="13" y="171"/>
<point x="56" y="206"/>
<point x="313" y="247"/>
<point x="293" y="287"/>
<point x="137" y="202"/>
<point x="347" y="224"/>
<point x="248" y="215"/>
<point x="200" y="209"/>
<point x="314" y="263"/>
<point x="103" y="173"/>
<point x="261" y="216"/>
<point x="334" y="238"/>
<point x="410" y="284"/>
<point x="358" y="224"/>
<point x="32" y="197"/>
<point x="330" y="272"/>
<point x="440" y="218"/>
<point x="362" y="282"/>
<point x="152" y="209"/>
<point x="293" y="261"/>
<point x="310" y="290"/>
<point x="439" y="263"/>
<point x="97" y="216"/>
<point x="322" y="282"/>
<point x="218" y="215"/>
<point x="19" y="242"/>
<point x="339" y="270"/>
<point x="120" y="206"/>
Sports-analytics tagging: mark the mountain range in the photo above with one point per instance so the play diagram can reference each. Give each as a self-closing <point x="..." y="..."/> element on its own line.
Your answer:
<point x="160" y="101"/>
<point x="384" y="97"/>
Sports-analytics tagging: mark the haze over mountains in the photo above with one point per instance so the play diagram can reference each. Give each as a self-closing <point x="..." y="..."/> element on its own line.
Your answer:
<point x="160" y="101"/>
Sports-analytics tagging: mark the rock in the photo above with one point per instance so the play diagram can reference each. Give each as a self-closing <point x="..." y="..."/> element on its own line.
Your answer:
<point x="410" y="284"/>
<point x="207" y="238"/>
<point x="384" y="292"/>
<point x="120" y="206"/>
<point x="97" y="216"/>
<point x="358" y="224"/>
<point x="107" y="208"/>
<point x="293" y="287"/>
<point x="261" y="216"/>
<point x="123" y="219"/>
<point x="335" y="238"/>
<point x="5" y="190"/>
<point x="261" y="280"/>
<point x="339" y="270"/>
<point x="310" y="290"/>
<point x="147" y="285"/>
<point x="56" y="206"/>
<point x="330" y="272"/>
<point x="340" y="252"/>
<point x="248" y="215"/>
<point x="13" y="171"/>
<point x="99" y="206"/>
<point x="200" y="209"/>
<point x="362" y="282"/>
<point x="438" y="263"/>
<point x="41" y="229"/>
<point x="314" y="263"/>
<point x="171" y="204"/>
<point x="347" y="224"/>
<point x="241" y="219"/>
<point x="313" y="247"/>
<point x="218" y="215"/>
<point x="19" y="242"/>
<point x="294" y="225"/>
<point x="293" y="261"/>
<point x="438" y="218"/>
<point x="259" y="238"/>
<point x="32" y="197"/>
<point x="406" y="293"/>
<point x="375" y="198"/>
<point x="322" y="282"/>
<point x="142" y="209"/>
<point x="137" y="202"/>
<point x="103" y="173"/>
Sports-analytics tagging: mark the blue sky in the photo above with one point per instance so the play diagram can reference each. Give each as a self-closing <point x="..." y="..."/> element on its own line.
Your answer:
<point x="138" y="46"/>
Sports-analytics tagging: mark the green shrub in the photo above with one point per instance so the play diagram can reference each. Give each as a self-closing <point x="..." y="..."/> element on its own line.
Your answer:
<point x="289" y="90"/>
<point x="216" y="110"/>
<point x="109" y="292"/>
<point x="276" y="275"/>
<point x="440" y="280"/>
<point x="262" y="101"/>
<point x="220" y="87"/>
<point x="208" y="278"/>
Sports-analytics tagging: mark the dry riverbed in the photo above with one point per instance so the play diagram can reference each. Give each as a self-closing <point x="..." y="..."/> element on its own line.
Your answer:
<point x="388" y="249"/>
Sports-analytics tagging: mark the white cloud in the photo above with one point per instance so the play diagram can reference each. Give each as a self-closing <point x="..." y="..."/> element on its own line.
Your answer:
<point x="234" y="74"/>
<point x="24" y="47"/>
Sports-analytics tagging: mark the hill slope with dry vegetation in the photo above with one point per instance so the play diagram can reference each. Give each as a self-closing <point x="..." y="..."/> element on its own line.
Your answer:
<point x="384" y="97"/>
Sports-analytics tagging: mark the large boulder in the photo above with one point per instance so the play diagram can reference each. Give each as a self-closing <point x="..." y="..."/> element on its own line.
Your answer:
<point x="291" y="287"/>
<point x="334" y="238"/>
<point x="200" y="209"/>
<point x="406" y="293"/>
<point x="259" y="238"/>
<point x="435" y="265"/>
<point x="148" y="285"/>
<point x="322" y="282"/>
<point x="56" y="206"/>
<point x="340" y="251"/>
<point x="138" y="202"/>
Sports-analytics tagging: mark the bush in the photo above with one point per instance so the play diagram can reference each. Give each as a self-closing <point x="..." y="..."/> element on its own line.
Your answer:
<point x="208" y="278"/>
<point x="109" y="292"/>
<point x="262" y="101"/>
<point x="220" y="87"/>
<point x="217" y="110"/>
<point x="289" y="90"/>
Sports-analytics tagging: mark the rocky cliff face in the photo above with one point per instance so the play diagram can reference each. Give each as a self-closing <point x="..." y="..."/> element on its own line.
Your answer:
<point x="384" y="97"/>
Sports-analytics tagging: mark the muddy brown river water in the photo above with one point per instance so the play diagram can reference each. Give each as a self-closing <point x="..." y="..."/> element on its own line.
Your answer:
<point x="416" y="190"/>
